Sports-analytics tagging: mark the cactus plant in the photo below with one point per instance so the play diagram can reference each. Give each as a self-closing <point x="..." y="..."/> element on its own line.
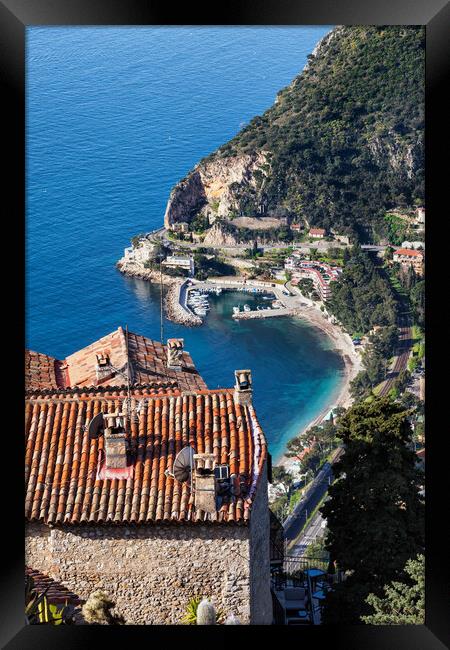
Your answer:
<point x="232" y="620"/>
<point x="190" y="617"/>
<point x="97" y="610"/>
<point x="206" y="613"/>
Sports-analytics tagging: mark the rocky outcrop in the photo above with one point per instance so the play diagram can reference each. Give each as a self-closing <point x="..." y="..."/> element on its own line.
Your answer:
<point x="401" y="157"/>
<point x="218" y="236"/>
<point x="186" y="199"/>
<point x="138" y="270"/>
<point x="214" y="187"/>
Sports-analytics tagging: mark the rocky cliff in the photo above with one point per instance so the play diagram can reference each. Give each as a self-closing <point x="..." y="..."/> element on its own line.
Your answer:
<point x="342" y="143"/>
<point x="214" y="188"/>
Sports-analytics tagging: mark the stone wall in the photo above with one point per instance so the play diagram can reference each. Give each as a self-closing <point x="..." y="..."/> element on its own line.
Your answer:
<point x="38" y="553"/>
<point x="152" y="571"/>
<point x="260" y="596"/>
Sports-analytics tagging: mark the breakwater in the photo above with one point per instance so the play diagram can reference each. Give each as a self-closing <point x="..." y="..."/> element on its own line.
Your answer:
<point x="176" y="308"/>
<point x="263" y="313"/>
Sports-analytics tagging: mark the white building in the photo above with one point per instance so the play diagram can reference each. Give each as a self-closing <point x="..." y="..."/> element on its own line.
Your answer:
<point x="177" y="261"/>
<point x="415" y="245"/>
<point x="317" y="233"/>
<point x="142" y="253"/>
<point x="420" y="215"/>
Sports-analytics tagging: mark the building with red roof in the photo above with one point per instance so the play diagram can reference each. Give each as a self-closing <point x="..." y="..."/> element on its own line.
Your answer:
<point x="318" y="233"/>
<point x="103" y="505"/>
<point x="409" y="257"/>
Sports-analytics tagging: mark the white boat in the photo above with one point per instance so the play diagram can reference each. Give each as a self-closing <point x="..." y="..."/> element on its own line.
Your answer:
<point x="236" y="310"/>
<point x="247" y="308"/>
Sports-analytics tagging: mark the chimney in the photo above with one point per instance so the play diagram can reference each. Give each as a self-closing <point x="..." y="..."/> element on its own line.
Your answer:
<point x="243" y="391"/>
<point x="115" y="441"/>
<point x="103" y="370"/>
<point x="175" y="353"/>
<point x="205" y="483"/>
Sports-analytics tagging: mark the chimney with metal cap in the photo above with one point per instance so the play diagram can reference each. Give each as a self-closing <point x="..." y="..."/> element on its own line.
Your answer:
<point x="175" y="353"/>
<point x="103" y="368"/>
<point x="115" y="441"/>
<point x="243" y="391"/>
<point x="205" y="489"/>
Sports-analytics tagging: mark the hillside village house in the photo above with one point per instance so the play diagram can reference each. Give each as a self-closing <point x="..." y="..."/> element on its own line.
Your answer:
<point x="104" y="509"/>
<point x="317" y="233"/>
<point x="409" y="257"/>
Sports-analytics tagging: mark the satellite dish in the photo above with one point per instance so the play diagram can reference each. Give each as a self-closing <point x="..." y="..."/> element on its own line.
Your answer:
<point x="182" y="466"/>
<point x="96" y="426"/>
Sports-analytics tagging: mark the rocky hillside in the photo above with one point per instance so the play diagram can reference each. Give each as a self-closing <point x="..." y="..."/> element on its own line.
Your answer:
<point x="342" y="143"/>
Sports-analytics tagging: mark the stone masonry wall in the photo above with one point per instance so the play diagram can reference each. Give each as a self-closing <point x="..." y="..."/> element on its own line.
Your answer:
<point x="260" y="596"/>
<point x="38" y="553"/>
<point x="151" y="571"/>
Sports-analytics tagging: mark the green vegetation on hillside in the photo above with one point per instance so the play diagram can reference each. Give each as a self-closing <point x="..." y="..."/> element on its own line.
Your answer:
<point x="375" y="514"/>
<point x="209" y="266"/>
<point x="403" y="602"/>
<point x="362" y="297"/>
<point x="345" y="138"/>
<point x="381" y="347"/>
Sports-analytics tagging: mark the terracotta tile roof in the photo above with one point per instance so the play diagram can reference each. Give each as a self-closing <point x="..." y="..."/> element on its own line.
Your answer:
<point x="56" y="593"/>
<point x="145" y="359"/>
<point x="317" y="231"/>
<point x="42" y="371"/>
<point x="62" y="464"/>
<point x="408" y="252"/>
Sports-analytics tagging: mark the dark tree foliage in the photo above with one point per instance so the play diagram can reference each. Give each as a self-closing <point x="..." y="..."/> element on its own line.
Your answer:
<point x="375" y="515"/>
<point x="418" y="302"/>
<point x="403" y="602"/>
<point x="211" y="266"/>
<point x="380" y="348"/>
<point x="345" y="138"/>
<point x="362" y="297"/>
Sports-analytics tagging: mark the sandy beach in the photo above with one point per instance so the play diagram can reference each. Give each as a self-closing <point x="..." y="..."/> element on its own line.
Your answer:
<point x="352" y="360"/>
<point x="308" y="311"/>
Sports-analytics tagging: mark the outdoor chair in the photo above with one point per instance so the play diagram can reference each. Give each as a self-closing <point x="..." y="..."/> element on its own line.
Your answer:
<point x="295" y="598"/>
<point x="295" y="602"/>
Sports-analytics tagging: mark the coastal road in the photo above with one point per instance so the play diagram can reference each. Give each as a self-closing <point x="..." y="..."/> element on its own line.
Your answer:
<point x="295" y="523"/>
<point x="313" y="531"/>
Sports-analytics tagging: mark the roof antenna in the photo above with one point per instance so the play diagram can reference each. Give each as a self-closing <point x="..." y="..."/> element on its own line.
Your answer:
<point x="161" y="302"/>
<point x="128" y="376"/>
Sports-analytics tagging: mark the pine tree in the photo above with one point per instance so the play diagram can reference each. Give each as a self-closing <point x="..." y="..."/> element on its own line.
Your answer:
<point x="403" y="603"/>
<point x="375" y="515"/>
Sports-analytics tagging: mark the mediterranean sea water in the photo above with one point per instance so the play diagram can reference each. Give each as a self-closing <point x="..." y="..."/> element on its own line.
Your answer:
<point x="115" y="117"/>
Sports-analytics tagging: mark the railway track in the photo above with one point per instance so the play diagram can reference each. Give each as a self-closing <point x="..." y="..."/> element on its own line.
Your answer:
<point x="401" y="361"/>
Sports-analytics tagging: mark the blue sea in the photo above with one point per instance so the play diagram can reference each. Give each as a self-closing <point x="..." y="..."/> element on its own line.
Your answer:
<point x="115" y="117"/>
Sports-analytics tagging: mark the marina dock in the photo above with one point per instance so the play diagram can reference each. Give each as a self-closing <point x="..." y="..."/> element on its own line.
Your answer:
<point x="263" y="313"/>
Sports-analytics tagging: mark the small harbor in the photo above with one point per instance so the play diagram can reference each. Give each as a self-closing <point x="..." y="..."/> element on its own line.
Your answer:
<point x="194" y="298"/>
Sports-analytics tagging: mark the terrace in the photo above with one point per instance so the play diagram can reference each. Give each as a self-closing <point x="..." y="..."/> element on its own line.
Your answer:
<point x="299" y="586"/>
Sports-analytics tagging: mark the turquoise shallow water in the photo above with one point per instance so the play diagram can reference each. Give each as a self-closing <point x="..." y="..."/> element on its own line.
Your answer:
<point x="115" y="117"/>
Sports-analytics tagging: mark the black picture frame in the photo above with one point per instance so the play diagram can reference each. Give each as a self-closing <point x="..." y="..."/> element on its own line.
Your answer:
<point x="15" y="16"/>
